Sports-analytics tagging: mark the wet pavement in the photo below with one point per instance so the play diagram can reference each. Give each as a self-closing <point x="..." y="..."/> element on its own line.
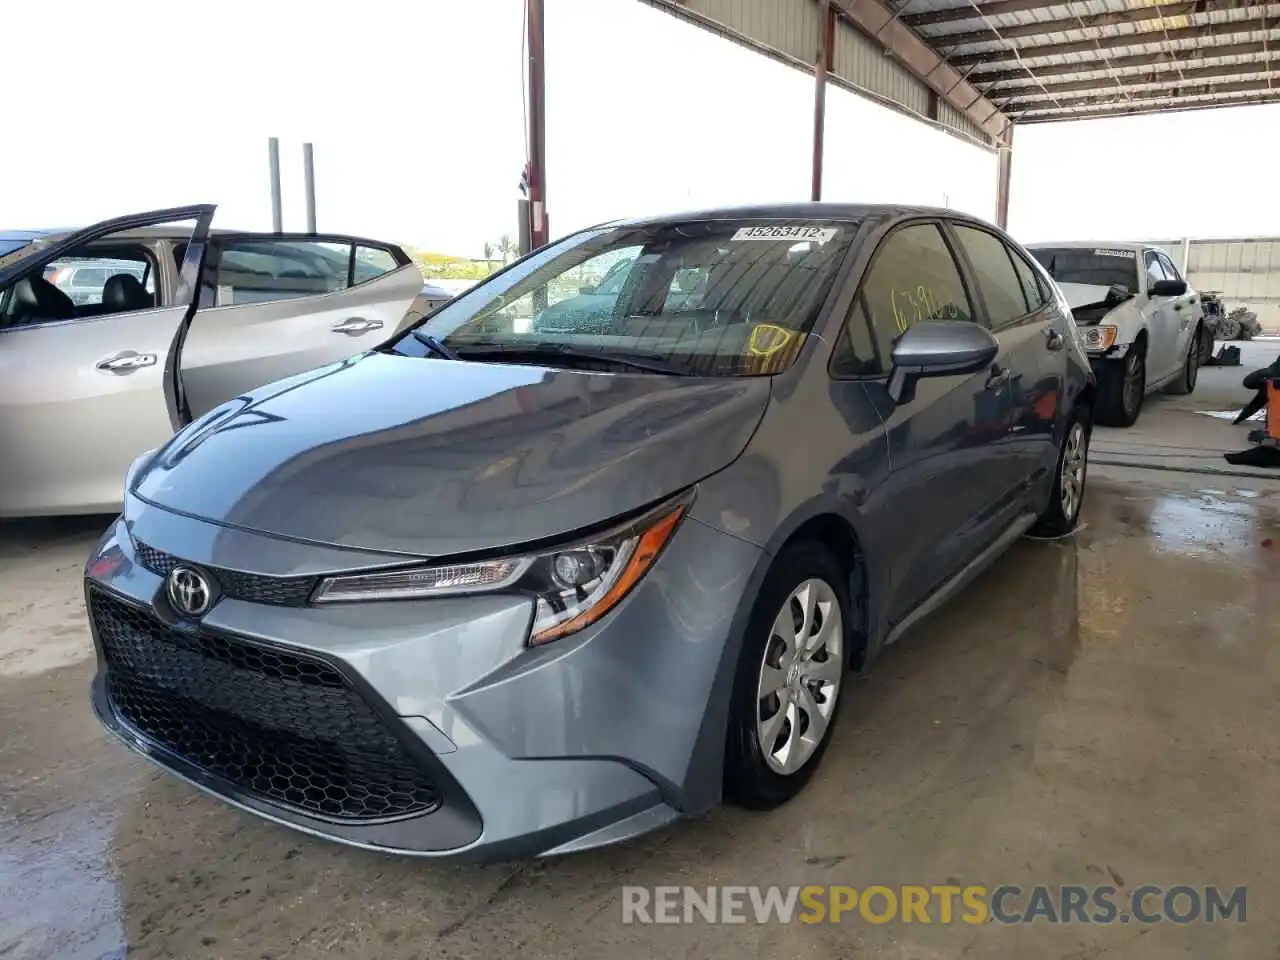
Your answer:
<point x="1097" y="709"/>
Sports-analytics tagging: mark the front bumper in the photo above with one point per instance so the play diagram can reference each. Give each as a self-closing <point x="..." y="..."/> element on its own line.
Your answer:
<point x="422" y="727"/>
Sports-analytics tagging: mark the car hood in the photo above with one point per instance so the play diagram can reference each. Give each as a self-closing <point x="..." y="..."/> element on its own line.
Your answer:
<point x="433" y="457"/>
<point x="1083" y="294"/>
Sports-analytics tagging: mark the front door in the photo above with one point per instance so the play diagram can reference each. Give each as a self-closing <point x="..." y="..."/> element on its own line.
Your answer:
<point x="945" y="491"/>
<point x="85" y="388"/>
<point x="1162" y="325"/>
<point x="277" y="305"/>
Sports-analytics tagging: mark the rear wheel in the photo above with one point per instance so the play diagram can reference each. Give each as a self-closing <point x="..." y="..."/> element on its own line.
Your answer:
<point x="1122" y="386"/>
<point x="790" y="675"/>
<point x="1186" y="380"/>
<point x="1063" y="512"/>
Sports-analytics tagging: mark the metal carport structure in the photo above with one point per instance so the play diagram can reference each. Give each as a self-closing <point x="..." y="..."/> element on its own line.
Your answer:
<point x="978" y="68"/>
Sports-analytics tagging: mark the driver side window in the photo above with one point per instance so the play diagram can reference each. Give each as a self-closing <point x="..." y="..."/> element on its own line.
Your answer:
<point x="913" y="277"/>
<point x="1154" y="271"/>
<point x="96" y="280"/>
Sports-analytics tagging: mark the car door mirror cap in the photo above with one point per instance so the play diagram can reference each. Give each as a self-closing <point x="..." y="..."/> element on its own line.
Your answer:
<point x="939" y="348"/>
<point x="1167" y="288"/>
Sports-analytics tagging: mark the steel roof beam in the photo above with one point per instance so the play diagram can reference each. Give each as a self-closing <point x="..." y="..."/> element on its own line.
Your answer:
<point x="1158" y="60"/>
<point x="1070" y="89"/>
<point x="1252" y="25"/>
<point x="1115" y="95"/>
<point x="882" y="25"/>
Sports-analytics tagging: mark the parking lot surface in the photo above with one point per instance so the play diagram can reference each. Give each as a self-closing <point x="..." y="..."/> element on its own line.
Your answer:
<point x="1100" y="709"/>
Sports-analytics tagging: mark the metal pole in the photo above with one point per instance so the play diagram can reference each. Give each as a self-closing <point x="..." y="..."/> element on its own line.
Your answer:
<point x="822" y="63"/>
<point x="1004" y="168"/>
<point x="309" y="178"/>
<point x="277" y="210"/>
<point x="538" y="233"/>
<point x="1186" y="257"/>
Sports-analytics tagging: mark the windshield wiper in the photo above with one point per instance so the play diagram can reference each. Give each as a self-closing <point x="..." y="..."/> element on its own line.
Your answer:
<point x="434" y="345"/>
<point x="561" y="351"/>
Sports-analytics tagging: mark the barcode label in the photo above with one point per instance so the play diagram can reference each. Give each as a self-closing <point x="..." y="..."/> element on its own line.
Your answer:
<point x="796" y="232"/>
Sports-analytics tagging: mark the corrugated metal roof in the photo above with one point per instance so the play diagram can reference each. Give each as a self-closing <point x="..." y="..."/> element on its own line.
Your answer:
<point x="1046" y="60"/>
<point x="788" y="30"/>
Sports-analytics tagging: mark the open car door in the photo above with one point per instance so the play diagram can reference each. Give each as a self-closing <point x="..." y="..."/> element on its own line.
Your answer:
<point x="85" y="389"/>
<point x="274" y="305"/>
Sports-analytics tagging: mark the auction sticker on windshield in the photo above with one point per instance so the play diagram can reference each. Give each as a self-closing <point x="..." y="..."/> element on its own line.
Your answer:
<point x="785" y="231"/>
<point x="1126" y="254"/>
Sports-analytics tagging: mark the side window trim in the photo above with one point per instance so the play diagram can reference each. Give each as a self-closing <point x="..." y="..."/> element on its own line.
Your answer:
<point x="971" y="274"/>
<point x="857" y="303"/>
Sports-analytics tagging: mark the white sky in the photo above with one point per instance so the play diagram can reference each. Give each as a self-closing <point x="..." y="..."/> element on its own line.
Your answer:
<point x="416" y="112"/>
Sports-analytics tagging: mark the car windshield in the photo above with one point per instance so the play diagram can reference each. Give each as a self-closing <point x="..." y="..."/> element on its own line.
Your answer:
<point x="1100" y="267"/>
<point x="711" y="298"/>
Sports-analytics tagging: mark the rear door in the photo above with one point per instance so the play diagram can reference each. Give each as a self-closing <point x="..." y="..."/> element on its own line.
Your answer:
<point x="273" y="305"/>
<point x="1023" y="319"/>
<point x="85" y="389"/>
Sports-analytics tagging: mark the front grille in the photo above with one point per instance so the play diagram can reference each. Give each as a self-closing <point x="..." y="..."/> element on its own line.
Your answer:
<point x="287" y="728"/>
<point x="255" y="588"/>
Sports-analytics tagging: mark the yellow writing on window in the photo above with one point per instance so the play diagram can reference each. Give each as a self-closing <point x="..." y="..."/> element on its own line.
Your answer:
<point x="911" y="305"/>
<point x="768" y="338"/>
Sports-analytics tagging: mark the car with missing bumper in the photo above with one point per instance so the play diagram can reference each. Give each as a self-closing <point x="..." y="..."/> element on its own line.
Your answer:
<point x="115" y="335"/>
<point x="493" y="592"/>
<point x="1140" y="321"/>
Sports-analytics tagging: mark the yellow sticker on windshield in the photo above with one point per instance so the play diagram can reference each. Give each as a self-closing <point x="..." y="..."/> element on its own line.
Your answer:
<point x="768" y="338"/>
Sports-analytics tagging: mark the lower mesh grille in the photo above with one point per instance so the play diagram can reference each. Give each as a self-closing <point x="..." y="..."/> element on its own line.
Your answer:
<point x="287" y="728"/>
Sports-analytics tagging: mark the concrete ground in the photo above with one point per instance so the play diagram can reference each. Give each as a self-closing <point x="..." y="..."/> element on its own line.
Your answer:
<point x="1101" y="709"/>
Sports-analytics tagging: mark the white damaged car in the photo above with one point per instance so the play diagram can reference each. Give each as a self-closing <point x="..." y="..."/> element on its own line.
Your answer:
<point x="1139" y="320"/>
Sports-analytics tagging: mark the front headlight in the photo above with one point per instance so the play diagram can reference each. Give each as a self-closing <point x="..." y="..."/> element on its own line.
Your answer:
<point x="1098" y="338"/>
<point x="573" y="585"/>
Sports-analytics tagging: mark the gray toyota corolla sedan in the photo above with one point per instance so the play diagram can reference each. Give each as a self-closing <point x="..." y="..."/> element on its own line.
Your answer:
<point x="496" y="591"/>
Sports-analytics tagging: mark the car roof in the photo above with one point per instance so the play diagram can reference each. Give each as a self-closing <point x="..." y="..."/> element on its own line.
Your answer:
<point x="178" y="233"/>
<point x="1093" y="244"/>
<point x="851" y="212"/>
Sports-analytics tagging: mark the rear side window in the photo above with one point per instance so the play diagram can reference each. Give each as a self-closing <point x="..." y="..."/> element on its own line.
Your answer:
<point x="913" y="277"/>
<point x="255" y="270"/>
<point x="1031" y="288"/>
<point x="1001" y="289"/>
<point x="372" y="262"/>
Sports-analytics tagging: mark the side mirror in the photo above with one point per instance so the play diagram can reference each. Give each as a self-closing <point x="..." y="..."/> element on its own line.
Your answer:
<point x="587" y="290"/>
<point x="939" y="348"/>
<point x="1167" y="288"/>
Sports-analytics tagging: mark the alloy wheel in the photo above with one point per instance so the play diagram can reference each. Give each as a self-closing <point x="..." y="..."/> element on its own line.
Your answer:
<point x="800" y="676"/>
<point x="1074" y="463"/>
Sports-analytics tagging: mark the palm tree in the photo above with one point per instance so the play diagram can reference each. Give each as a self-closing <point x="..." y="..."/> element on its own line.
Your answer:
<point x="488" y="255"/>
<point x="506" y="247"/>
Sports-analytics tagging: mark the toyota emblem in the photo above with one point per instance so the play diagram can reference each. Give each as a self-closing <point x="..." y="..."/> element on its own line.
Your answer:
<point x="189" y="591"/>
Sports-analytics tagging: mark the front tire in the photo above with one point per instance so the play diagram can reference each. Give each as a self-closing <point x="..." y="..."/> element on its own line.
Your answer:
<point x="791" y="671"/>
<point x="1186" y="381"/>
<point x="1063" y="512"/>
<point x="1122" y="387"/>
